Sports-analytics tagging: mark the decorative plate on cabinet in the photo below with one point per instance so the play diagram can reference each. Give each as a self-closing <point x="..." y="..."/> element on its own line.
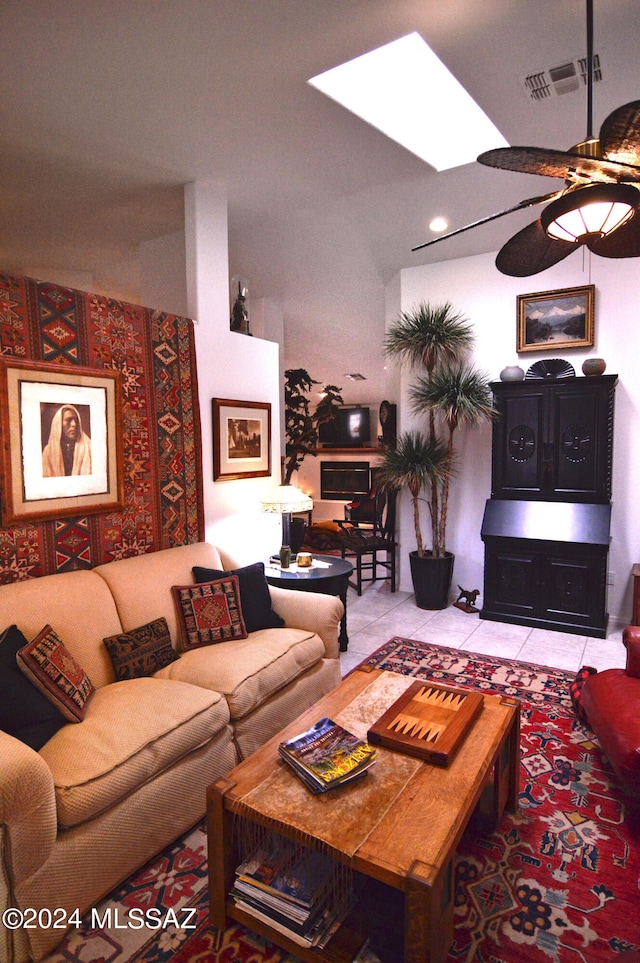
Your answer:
<point x="550" y="368"/>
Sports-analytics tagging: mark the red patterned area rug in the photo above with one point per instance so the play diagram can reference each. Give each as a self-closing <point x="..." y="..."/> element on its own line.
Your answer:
<point x="557" y="882"/>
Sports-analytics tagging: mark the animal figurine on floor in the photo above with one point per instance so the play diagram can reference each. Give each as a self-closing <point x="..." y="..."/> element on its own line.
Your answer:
<point x="466" y="600"/>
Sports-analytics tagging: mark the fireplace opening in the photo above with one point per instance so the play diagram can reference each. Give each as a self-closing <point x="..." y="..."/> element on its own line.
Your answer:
<point x="344" y="479"/>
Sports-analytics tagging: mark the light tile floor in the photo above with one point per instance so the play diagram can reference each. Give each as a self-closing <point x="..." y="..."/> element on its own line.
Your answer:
<point x="378" y="615"/>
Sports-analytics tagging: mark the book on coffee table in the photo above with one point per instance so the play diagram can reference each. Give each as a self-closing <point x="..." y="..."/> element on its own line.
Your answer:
<point x="327" y="755"/>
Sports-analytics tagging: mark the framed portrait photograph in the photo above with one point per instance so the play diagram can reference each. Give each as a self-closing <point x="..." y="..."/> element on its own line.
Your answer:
<point x="553" y="320"/>
<point x="241" y="439"/>
<point x="61" y="441"/>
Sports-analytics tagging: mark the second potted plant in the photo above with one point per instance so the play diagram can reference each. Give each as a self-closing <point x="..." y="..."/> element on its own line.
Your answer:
<point x="451" y="393"/>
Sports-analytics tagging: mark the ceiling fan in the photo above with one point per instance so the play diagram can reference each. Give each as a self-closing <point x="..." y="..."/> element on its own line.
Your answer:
<point x="599" y="207"/>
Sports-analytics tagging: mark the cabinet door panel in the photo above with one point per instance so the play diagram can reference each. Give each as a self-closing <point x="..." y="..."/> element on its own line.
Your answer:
<point x="577" y="588"/>
<point x="518" y="445"/>
<point x="577" y="439"/>
<point x="511" y="584"/>
<point x="568" y="588"/>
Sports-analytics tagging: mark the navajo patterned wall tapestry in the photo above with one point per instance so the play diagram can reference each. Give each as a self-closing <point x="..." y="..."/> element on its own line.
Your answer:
<point x="155" y="356"/>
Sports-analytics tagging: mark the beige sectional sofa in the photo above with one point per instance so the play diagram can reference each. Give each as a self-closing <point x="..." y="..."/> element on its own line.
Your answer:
<point x="104" y="795"/>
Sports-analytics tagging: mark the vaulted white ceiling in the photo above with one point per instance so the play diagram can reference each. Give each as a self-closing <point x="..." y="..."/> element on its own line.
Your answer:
<point x="108" y="107"/>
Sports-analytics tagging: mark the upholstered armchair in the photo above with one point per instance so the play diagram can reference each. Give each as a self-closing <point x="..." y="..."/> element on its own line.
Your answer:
<point x="611" y="701"/>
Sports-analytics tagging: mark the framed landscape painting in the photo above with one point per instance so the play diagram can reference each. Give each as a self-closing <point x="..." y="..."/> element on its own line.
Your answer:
<point x="241" y="439"/>
<point x="556" y="319"/>
<point x="61" y="441"/>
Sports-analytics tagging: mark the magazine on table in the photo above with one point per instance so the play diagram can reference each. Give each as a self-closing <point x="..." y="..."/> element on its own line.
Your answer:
<point x="318" y="933"/>
<point x="289" y="887"/>
<point x="327" y="755"/>
<point x="289" y="874"/>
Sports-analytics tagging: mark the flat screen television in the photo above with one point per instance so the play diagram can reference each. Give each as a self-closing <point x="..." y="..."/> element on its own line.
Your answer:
<point x="350" y="428"/>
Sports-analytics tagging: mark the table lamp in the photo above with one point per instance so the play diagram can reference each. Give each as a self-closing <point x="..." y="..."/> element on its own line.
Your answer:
<point x="284" y="500"/>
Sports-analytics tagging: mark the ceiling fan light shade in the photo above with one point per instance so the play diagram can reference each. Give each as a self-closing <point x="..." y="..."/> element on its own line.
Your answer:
<point x="590" y="212"/>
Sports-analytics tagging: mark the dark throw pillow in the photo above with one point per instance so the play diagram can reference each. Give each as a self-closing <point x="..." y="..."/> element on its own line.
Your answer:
<point x="53" y="670"/>
<point x="141" y="651"/>
<point x="209" y="612"/>
<point x="255" y="596"/>
<point x="24" y="712"/>
<point x="575" y="690"/>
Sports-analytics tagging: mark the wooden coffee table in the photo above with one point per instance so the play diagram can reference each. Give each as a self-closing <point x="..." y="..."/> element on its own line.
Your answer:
<point x="399" y="827"/>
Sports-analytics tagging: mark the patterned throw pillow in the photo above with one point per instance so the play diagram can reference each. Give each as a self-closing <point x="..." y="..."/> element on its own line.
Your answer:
<point x="24" y="712"/>
<point x="141" y="651"/>
<point x="255" y="596"/>
<point x="575" y="690"/>
<point x="209" y="612"/>
<point x="53" y="670"/>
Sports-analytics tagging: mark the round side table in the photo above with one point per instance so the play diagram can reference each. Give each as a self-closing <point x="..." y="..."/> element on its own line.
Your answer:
<point x="331" y="577"/>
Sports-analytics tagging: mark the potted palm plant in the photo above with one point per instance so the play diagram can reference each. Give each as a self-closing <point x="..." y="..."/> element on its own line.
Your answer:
<point x="450" y="393"/>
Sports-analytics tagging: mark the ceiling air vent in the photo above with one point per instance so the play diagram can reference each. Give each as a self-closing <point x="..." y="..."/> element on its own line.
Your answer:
<point x="562" y="79"/>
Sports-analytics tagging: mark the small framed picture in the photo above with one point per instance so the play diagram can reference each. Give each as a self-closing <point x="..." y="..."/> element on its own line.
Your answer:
<point x="241" y="439"/>
<point x="553" y="320"/>
<point x="61" y="441"/>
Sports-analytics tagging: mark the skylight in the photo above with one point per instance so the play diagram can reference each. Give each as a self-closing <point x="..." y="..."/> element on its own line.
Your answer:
<point x="405" y="91"/>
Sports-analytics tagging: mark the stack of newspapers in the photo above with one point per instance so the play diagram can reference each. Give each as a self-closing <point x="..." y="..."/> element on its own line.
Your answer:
<point x="327" y="756"/>
<point x="292" y="889"/>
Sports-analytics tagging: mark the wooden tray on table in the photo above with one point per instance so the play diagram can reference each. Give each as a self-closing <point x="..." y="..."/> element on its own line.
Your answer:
<point x="428" y="720"/>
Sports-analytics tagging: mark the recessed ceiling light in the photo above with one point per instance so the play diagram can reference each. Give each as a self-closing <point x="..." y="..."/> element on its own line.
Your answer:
<point x="405" y="91"/>
<point x="438" y="225"/>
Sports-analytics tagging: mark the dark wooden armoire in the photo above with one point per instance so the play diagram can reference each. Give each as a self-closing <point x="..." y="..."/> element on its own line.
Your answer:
<point x="546" y="527"/>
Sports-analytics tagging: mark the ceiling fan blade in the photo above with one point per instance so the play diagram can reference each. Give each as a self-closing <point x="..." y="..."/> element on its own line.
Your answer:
<point x="559" y="163"/>
<point x="620" y="134"/>
<point x="521" y="206"/>
<point x="530" y="251"/>
<point x="625" y="242"/>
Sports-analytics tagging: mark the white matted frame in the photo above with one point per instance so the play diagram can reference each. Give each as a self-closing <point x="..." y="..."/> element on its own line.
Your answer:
<point x="37" y="482"/>
<point x="241" y="439"/>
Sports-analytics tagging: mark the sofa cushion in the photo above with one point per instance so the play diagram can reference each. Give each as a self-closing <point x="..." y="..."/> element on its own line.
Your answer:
<point x="141" y="651"/>
<point x="78" y="605"/>
<point x="24" y="711"/>
<point x="255" y="597"/>
<point x="249" y="671"/>
<point x="50" y="666"/>
<point x="209" y="613"/>
<point x="152" y="574"/>
<point x="610" y="700"/>
<point x="133" y="731"/>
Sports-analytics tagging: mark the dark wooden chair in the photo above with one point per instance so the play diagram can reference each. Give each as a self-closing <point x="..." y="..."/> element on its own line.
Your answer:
<point x="366" y="508"/>
<point x="372" y="543"/>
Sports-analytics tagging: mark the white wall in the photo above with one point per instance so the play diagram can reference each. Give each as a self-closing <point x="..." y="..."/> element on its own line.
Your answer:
<point x="163" y="282"/>
<point x="230" y="366"/>
<point x="488" y="299"/>
<point x="267" y="321"/>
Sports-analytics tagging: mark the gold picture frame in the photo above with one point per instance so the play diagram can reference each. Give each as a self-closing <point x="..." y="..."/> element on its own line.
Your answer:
<point x="241" y="439"/>
<point x="556" y="320"/>
<point x="62" y="449"/>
